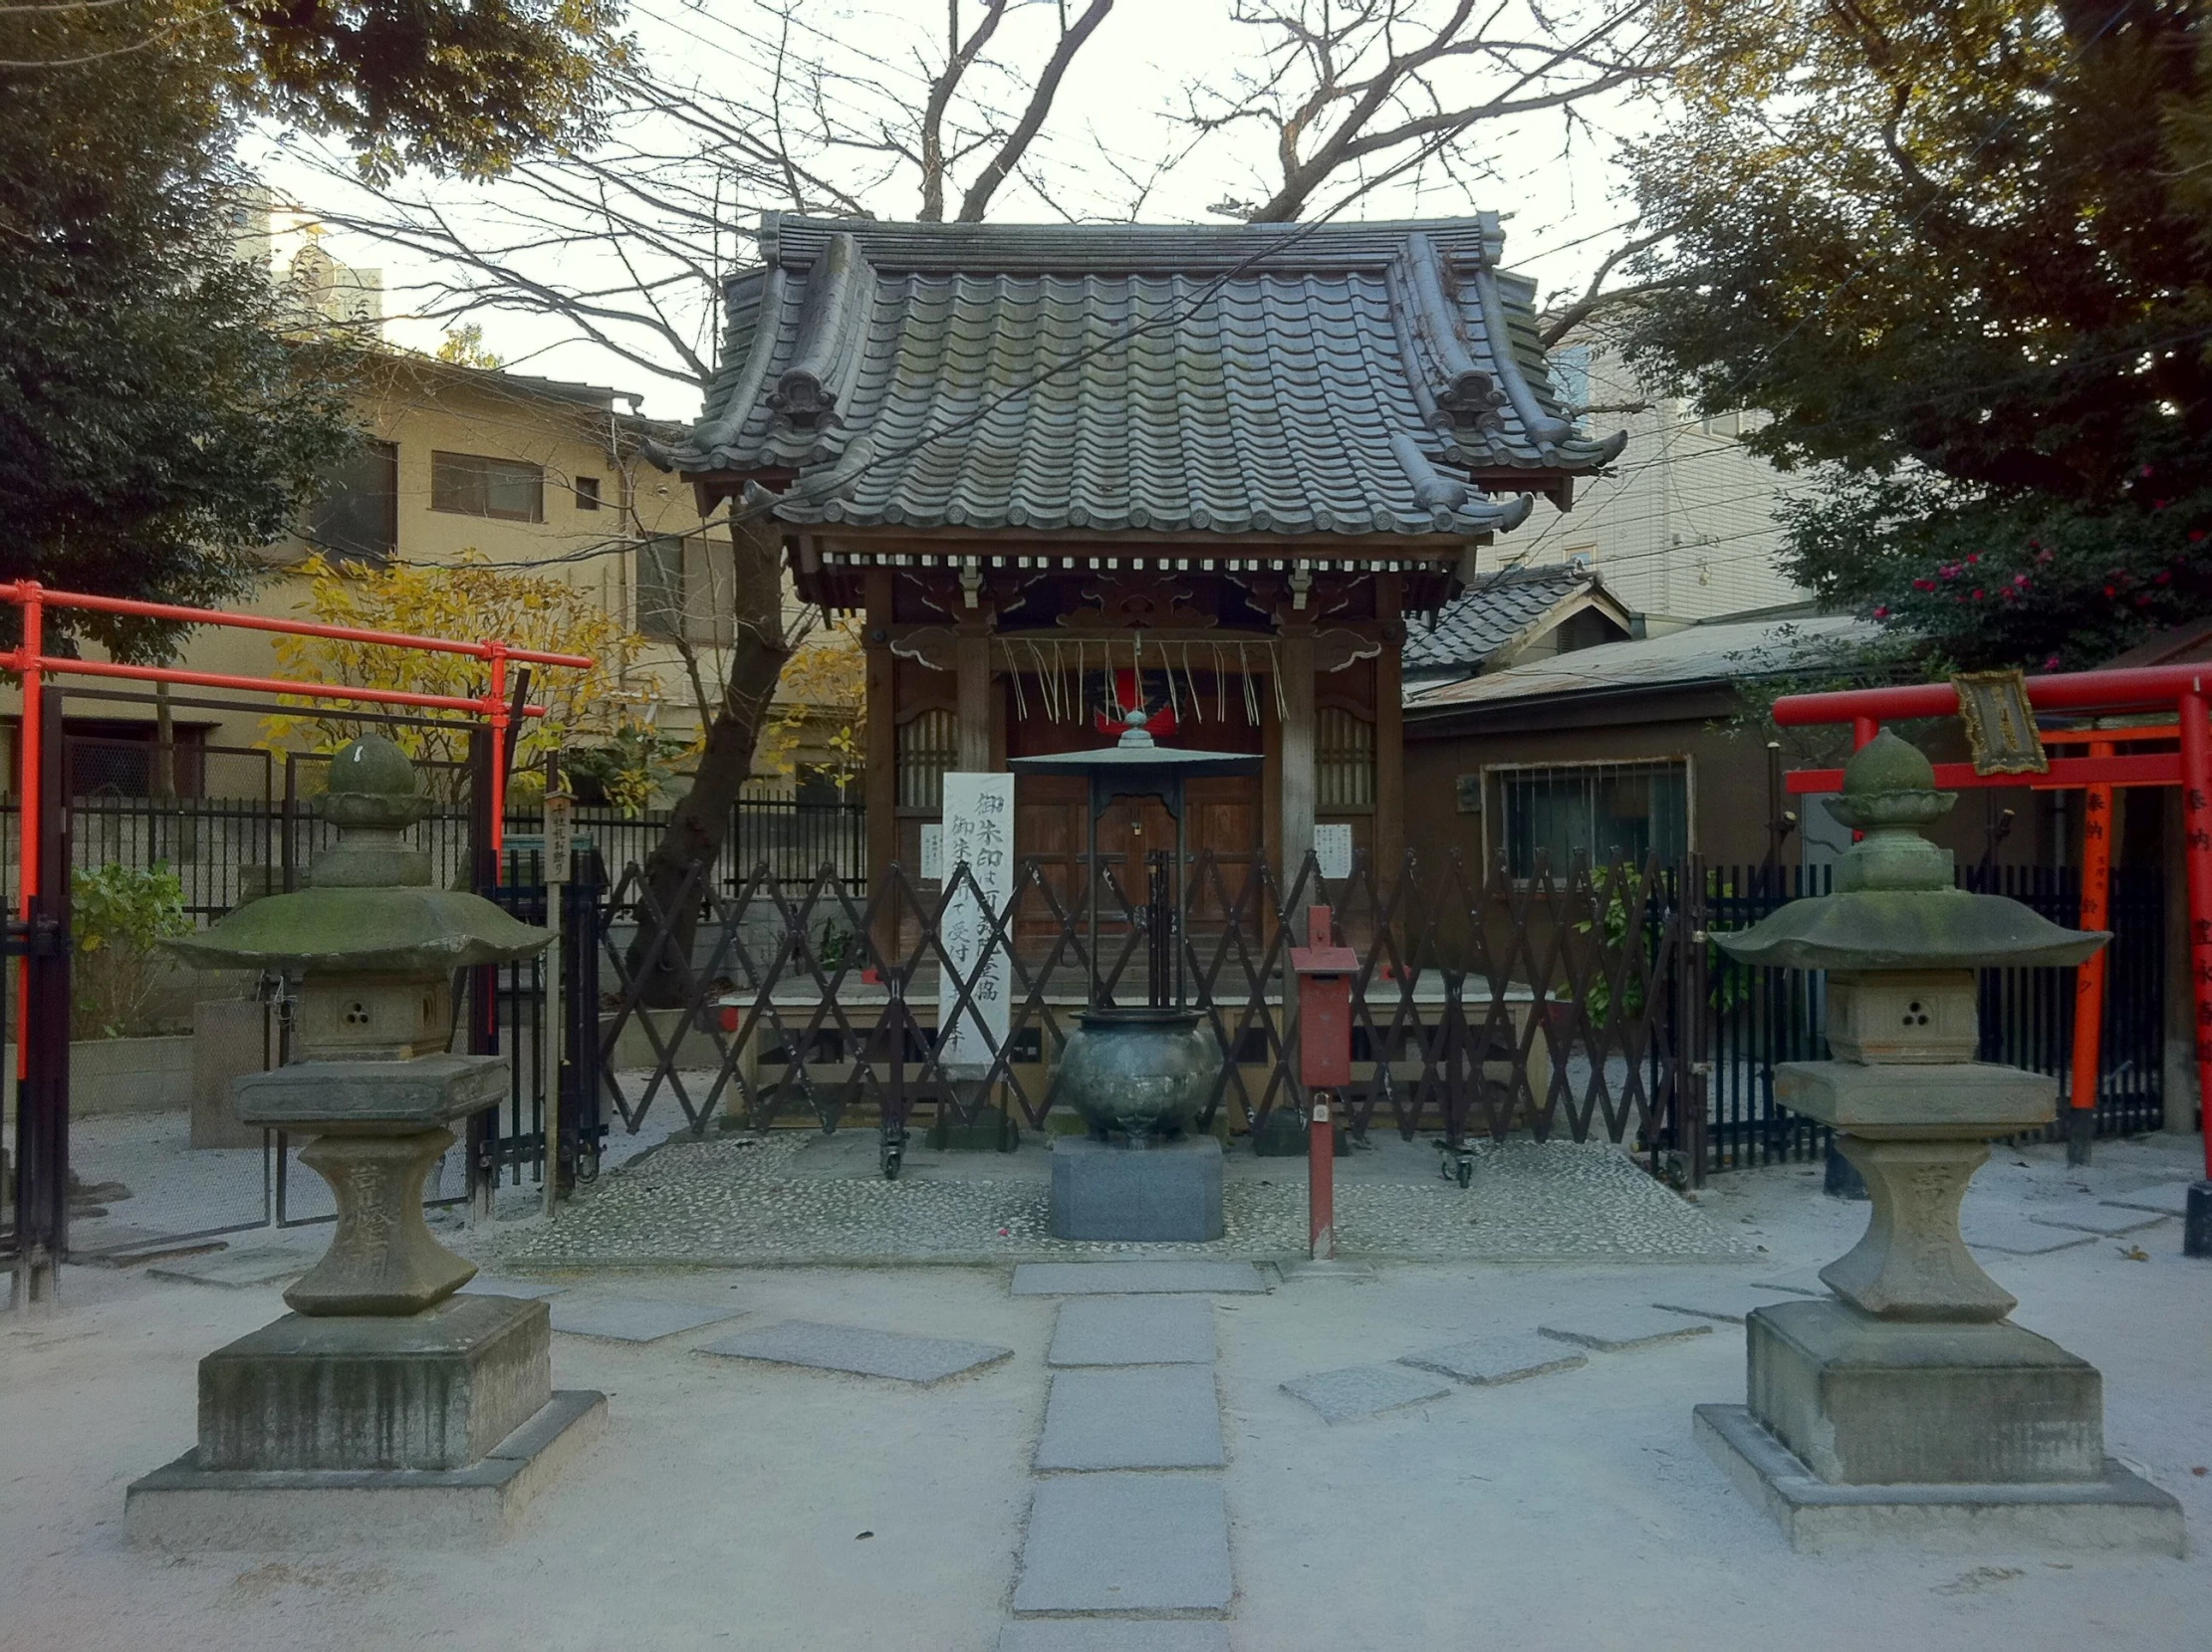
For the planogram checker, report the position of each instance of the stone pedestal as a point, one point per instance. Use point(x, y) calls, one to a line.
point(1864, 1401)
point(1165, 1193)
point(428, 1429)
point(431, 1390)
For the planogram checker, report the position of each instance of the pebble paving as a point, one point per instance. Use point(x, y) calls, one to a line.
point(737, 1201)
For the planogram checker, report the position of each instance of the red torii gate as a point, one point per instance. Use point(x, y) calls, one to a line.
point(42, 1162)
point(2175, 689)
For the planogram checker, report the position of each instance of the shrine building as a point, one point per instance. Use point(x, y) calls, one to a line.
point(1058, 469)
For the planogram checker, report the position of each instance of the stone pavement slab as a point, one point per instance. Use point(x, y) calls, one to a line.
point(1133, 1331)
point(1126, 1543)
point(1106, 1279)
point(1071, 1635)
point(237, 1269)
point(523, 1291)
point(1363, 1390)
point(2017, 1236)
point(1617, 1330)
point(633, 1318)
point(1488, 1360)
point(1726, 1303)
point(2088, 1215)
point(877, 1353)
point(1142, 1417)
point(2171, 1200)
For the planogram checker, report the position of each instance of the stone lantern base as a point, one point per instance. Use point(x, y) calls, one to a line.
point(430, 1429)
point(2118, 1511)
point(1952, 1437)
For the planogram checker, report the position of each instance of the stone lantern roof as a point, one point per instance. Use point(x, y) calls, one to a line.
point(369, 908)
point(1895, 906)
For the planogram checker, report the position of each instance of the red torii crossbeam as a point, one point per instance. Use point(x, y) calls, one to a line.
point(2175, 689)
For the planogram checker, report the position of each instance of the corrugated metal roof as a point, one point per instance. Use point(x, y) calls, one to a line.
point(1245, 379)
point(1696, 654)
point(1485, 618)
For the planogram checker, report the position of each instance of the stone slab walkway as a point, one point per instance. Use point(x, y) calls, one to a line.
point(1104, 1540)
point(858, 1352)
point(1098, 1635)
point(633, 1318)
point(1120, 1331)
point(1488, 1360)
point(1133, 1417)
point(1357, 1391)
point(1126, 1543)
point(237, 1269)
point(1613, 1330)
point(1119, 1279)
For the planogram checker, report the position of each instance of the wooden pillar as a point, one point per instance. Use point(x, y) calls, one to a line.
point(1389, 730)
point(879, 780)
point(972, 665)
point(1297, 784)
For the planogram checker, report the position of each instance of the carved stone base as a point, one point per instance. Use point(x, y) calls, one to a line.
point(383, 1257)
point(1867, 1401)
point(1911, 1263)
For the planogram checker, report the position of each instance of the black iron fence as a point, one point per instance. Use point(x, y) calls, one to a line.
point(1482, 1003)
point(228, 849)
point(1762, 1016)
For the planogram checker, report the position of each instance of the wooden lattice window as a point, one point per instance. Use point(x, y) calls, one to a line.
point(1343, 760)
point(928, 744)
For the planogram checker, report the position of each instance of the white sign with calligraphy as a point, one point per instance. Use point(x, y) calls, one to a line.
point(978, 834)
point(1333, 849)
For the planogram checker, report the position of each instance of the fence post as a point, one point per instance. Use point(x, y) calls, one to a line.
point(1694, 1060)
point(42, 1101)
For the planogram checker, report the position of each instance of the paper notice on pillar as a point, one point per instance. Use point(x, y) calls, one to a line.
point(978, 834)
point(932, 854)
point(1333, 851)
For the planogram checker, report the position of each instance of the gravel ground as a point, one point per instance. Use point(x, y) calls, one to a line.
point(791, 1198)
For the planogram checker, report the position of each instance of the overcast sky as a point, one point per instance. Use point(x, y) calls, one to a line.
point(1114, 121)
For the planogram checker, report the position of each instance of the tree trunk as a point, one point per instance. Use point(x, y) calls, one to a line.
point(701, 819)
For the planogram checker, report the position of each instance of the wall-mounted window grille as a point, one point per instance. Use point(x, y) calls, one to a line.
point(1343, 760)
point(928, 743)
point(1594, 814)
point(474, 484)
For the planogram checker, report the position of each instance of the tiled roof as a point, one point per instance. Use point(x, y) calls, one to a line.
point(1264, 378)
point(1486, 617)
point(1703, 653)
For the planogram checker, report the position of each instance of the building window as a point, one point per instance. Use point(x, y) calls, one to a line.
point(587, 493)
point(355, 514)
point(471, 484)
point(1570, 374)
point(660, 586)
point(1343, 761)
point(1594, 814)
point(687, 589)
point(928, 744)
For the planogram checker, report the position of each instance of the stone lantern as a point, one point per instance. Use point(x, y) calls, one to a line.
point(385, 1403)
point(1907, 1406)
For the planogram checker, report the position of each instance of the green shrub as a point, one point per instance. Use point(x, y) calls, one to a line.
point(119, 917)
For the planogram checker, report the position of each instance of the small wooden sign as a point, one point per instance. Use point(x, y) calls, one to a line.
point(2000, 723)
